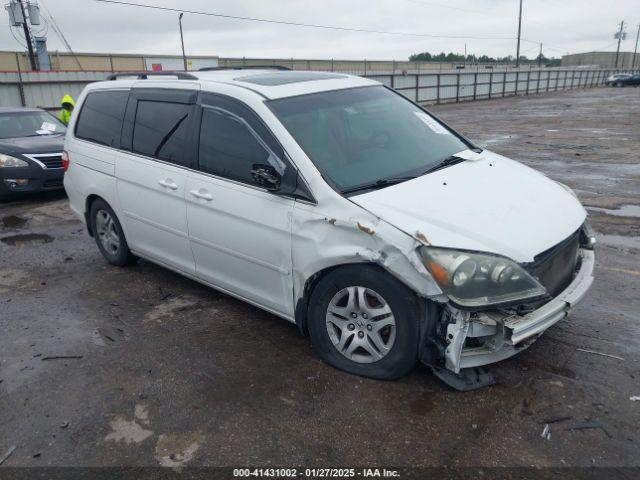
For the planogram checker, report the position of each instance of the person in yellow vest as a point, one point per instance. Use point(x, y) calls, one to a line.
point(67, 104)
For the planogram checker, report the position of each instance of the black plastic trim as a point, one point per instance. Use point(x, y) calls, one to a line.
point(146, 75)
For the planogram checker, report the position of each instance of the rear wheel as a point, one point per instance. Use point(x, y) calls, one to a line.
point(364, 321)
point(109, 235)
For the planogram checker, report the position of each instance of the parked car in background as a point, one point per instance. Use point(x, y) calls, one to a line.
point(617, 79)
point(31, 142)
point(336, 203)
point(630, 81)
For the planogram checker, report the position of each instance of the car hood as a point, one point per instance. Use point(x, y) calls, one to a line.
point(39, 144)
point(488, 203)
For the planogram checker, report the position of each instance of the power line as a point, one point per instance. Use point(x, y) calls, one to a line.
point(60, 35)
point(17, 39)
point(299, 24)
point(460, 9)
point(480, 12)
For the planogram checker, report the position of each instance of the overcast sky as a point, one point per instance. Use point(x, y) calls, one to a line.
point(562, 25)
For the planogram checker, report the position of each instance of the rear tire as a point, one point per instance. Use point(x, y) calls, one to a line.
point(366, 322)
point(109, 235)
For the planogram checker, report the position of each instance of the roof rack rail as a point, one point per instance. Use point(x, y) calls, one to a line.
point(245, 67)
point(145, 75)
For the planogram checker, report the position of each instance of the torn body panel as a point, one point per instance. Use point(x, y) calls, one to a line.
point(479, 338)
point(321, 242)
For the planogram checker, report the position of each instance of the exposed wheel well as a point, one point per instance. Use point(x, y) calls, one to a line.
point(310, 284)
point(87, 209)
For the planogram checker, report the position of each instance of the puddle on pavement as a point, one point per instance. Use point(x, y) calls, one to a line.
point(13, 221)
point(26, 238)
point(175, 450)
point(623, 211)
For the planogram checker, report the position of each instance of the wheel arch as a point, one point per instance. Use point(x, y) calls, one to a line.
point(87, 210)
point(302, 303)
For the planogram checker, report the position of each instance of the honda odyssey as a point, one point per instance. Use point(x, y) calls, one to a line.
point(336, 203)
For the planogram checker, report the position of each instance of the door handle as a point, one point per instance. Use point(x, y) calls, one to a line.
point(202, 193)
point(168, 183)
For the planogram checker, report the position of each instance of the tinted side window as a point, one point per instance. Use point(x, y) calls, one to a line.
point(161, 130)
point(228, 148)
point(101, 117)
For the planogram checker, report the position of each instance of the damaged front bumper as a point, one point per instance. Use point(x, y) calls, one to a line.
point(476, 339)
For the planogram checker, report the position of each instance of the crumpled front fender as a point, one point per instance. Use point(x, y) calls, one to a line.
point(321, 241)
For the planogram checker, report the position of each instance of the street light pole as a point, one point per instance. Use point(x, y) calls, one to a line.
point(540, 56)
point(519, 30)
point(184, 57)
point(619, 40)
point(635, 51)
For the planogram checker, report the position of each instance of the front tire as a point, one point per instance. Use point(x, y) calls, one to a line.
point(109, 235)
point(366, 322)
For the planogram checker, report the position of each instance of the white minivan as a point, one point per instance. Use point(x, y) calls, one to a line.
point(336, 203)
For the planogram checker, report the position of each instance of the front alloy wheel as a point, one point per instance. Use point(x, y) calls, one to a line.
point(360, 324)
point(364, 321)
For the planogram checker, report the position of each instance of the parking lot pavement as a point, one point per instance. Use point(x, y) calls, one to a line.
point(139, 366)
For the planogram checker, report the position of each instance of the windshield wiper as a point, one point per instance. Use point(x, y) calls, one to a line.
point(450, 160)
point(381, 183)
point(385, 182)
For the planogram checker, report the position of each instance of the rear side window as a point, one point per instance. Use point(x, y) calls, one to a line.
point(228, 148)
point(101, 117)
point(161, 130)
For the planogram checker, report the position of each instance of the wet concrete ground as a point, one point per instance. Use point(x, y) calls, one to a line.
point(139, 366)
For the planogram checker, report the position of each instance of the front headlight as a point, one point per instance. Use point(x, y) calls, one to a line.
point(9, 161)
point(473, 279)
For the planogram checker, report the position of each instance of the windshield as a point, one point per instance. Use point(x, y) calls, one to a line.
point(29, 124)
point(361, 136)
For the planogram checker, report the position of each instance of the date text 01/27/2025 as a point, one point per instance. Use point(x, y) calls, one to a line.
point(315, 473)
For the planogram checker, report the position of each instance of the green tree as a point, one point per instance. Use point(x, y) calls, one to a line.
point(459, 58)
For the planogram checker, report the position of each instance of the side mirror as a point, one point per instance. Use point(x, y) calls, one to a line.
point(266, 176)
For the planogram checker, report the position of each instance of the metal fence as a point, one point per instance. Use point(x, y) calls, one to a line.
point(45, 89)
point(372, 67)
point(456, 86)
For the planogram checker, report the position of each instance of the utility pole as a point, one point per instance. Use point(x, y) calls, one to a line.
point(465, 54)
point(619, 40)
point(635, 50)
point(184, 57)
point(27, 37)
point(540, 56)
point(519, 31)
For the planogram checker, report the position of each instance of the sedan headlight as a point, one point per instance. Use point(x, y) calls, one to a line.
point(9, 161)
point(473, 279)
